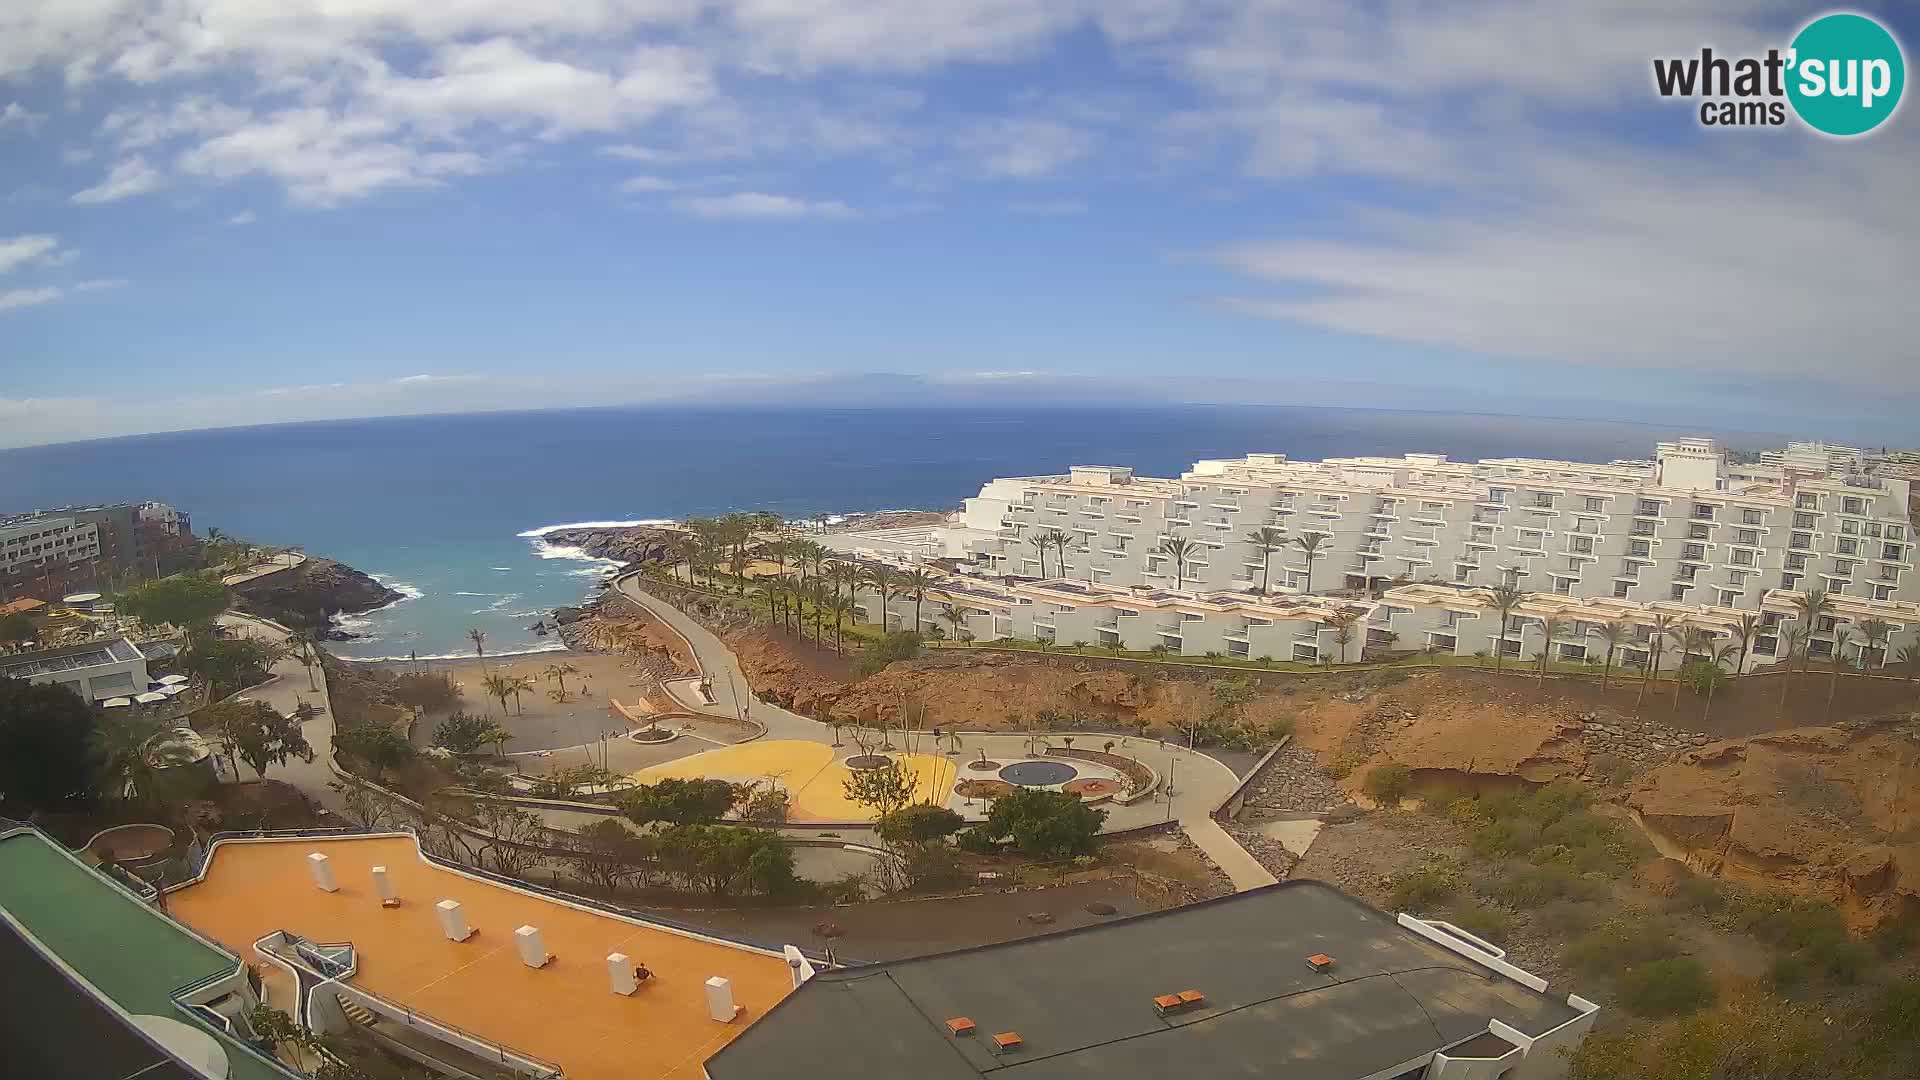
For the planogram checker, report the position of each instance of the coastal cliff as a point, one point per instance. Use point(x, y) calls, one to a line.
point(312, 593)
point(628, 544)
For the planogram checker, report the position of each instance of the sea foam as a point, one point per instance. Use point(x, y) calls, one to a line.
point(545, 529)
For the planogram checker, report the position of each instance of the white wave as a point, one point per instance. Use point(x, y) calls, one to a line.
point(543, 647)
point(545, 529)
point(497, 605)
point(595, 571)
point(476, 594)
point(502, 569)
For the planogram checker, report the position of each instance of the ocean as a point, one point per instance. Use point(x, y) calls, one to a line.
point(449, 510)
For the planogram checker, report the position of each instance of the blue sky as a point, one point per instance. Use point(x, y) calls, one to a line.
point(233, 211)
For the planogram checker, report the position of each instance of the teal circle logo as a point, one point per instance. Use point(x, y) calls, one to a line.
point(1845, 73)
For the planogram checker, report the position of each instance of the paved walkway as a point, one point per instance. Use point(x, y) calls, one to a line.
point(1243, 869)
point(283, 561)
point(289, 688)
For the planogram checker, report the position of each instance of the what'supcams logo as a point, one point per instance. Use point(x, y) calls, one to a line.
point(1842, 75)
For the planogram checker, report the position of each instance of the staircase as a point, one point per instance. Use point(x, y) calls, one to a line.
point(357, 1012)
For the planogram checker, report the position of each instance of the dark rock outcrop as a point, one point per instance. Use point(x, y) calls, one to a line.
point(631, 544)
point(314, 592)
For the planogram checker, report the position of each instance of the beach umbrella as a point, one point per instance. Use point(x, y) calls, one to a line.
point(173, 680)
point(149, 698)
point(116, 703)
point(170, 691)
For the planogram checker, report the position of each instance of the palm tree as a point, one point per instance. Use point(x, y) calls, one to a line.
point(1040, 542)
point(1744, 632)
point(517, 685)
point(1875, 634)
point(1059, 539)
point(1808, 608)
point(498, 686)
point(771, 593)
point(120, 745)
point(1309, 543)
point(1798, 639)
point(479, 639)
point(1909, 658)
point(883, 579)
point(1615, 634)
point(1268, 540)
point(1505, 599)
point(842, 607)
point(1656, 646)
point(558, 673)
point(684, 547)
point(306, 642)
point(914, 585)
point(817, 594)
point(1719, 657)
point(1342, 624)
point(1179, 549)
point(1842, 637)
point(1550, 627)
point(1691, 639)
point(956, 616)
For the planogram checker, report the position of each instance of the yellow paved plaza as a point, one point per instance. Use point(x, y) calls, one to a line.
point(810, 770)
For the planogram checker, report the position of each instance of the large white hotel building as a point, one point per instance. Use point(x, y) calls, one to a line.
point(1410, 546)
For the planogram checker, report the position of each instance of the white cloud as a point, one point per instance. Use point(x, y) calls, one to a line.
point(20, 250)
point(634, 185)
point(21, 298)
point(325, 158)
point(128, 178)
point(97, 284)
point(244, 217)
point(754, 204)
point(1024, 148)
point(17, 115)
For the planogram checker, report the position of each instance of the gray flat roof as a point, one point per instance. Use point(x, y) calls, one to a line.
point(72, 658)
point(1082, 1001)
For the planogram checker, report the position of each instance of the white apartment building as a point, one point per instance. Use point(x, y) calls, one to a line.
point(1684, 533)
point(28, 543)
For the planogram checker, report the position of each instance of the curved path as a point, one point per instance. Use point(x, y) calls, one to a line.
point(1199, 783)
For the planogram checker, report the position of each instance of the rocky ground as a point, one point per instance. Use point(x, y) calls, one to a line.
point(312, 593)
point(631, 544)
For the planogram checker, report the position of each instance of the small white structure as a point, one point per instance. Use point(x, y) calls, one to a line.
point(798, 965)
point(322, 872)
point(533, 952)
point(453, 921)
point(620, 973)
point(383, 887)
point(720, 1004)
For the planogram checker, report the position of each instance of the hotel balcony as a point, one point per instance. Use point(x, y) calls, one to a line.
point(1180, 521)
point(1232, 506)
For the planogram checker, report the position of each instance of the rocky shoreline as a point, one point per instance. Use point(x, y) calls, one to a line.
point(628, 544)
point(311, 594)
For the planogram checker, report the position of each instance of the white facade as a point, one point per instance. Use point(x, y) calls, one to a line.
point(96, 671)
point(30, 542)
point(1683, 534)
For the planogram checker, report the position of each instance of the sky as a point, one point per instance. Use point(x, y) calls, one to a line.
point(218, 212)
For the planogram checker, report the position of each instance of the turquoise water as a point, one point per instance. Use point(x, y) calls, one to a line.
point(447, 509)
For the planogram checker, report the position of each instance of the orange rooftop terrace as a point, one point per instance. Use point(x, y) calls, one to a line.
point(564, 1011)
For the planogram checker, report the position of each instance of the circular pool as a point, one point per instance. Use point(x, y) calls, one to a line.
point(1038, 773)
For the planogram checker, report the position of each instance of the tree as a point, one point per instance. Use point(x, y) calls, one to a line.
point(609, 855)
point(1041, 541)
point(306, 645)
point(183, 599)
point(376, 745)
point(48, 753)
point(1693, 641)
point(1309, 544)
point(1809, 608)
point(1796, 639)
point(1267, 540)
point(465, 733)
point(1389, 784)
point(914, 585)
point(1043, 824)
point(426, 690)
point(16, 627)
point(842, 607)
point(1744, 632)
point(1909, 660)
point(728, 860)
point(897, 645)
point(1719, 656)
point(229, 664)
point(1874, 634)
point(1615, 633)
point(499, 687)
point(257, 734)
point(883, 580)
point(1059, 539)
point(479, 639)
point(1550, 627)
point(1505, 598)
point(679, 802)
point(1343, 623)
point(882, 790)
point(1661, 628)
point(956, 616)
point(120, 741)
point(1179, 549)
point(920, 825)
point(558, 673)
point(1842, 637)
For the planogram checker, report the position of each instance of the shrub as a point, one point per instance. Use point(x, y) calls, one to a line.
point(1506, 839)
point(1422, 889)
point(1566, 919)
point(1697, 896)
point(1701, 676)
point(1611, 769)
point(426, 690)
point(1467, 811)
point(1525, 886)
point(1482, 920)
point(679, 802)
point(1043, 824)
point(1671, 987)
point(1388, 784)
point(896, 645)
point(920, 825)
point(1621, 943)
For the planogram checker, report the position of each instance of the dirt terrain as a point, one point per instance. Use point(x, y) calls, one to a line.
point(1831, 813)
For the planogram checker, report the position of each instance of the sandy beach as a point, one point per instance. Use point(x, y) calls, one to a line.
point(539, 722)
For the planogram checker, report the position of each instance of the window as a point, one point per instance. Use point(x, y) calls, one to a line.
point(1497, 495)
point(1630, 570)
point(1891, 551)
point(1698, 532)
point(1806, 502)
point(1586, 525)
point(1889, 573)
point(1595, 504)
point(1703, 512)
point(1848, 547)
point(1750, 516)
point(1680, 591)
point(1843, 567)
point(1803, 521)
point(1640, 547)
point(1583, 544)
point(1746, 536)
point(1460, 573)
point(1729, 598)
point(1738, 577)
point(1541, 498)
point(1800, 540)
point(1694, 551)
point(1771, 619)
point(1643, 528)
point(1649, 508)
point(1883, 592)
point(1789, 581)
point(1828, 623)
point(1620, 589)
point(1852, 505)
point(1849, 528)
point(1896, 532)
point(1741, 557)
point(1564, 586)
point(1573, 564)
